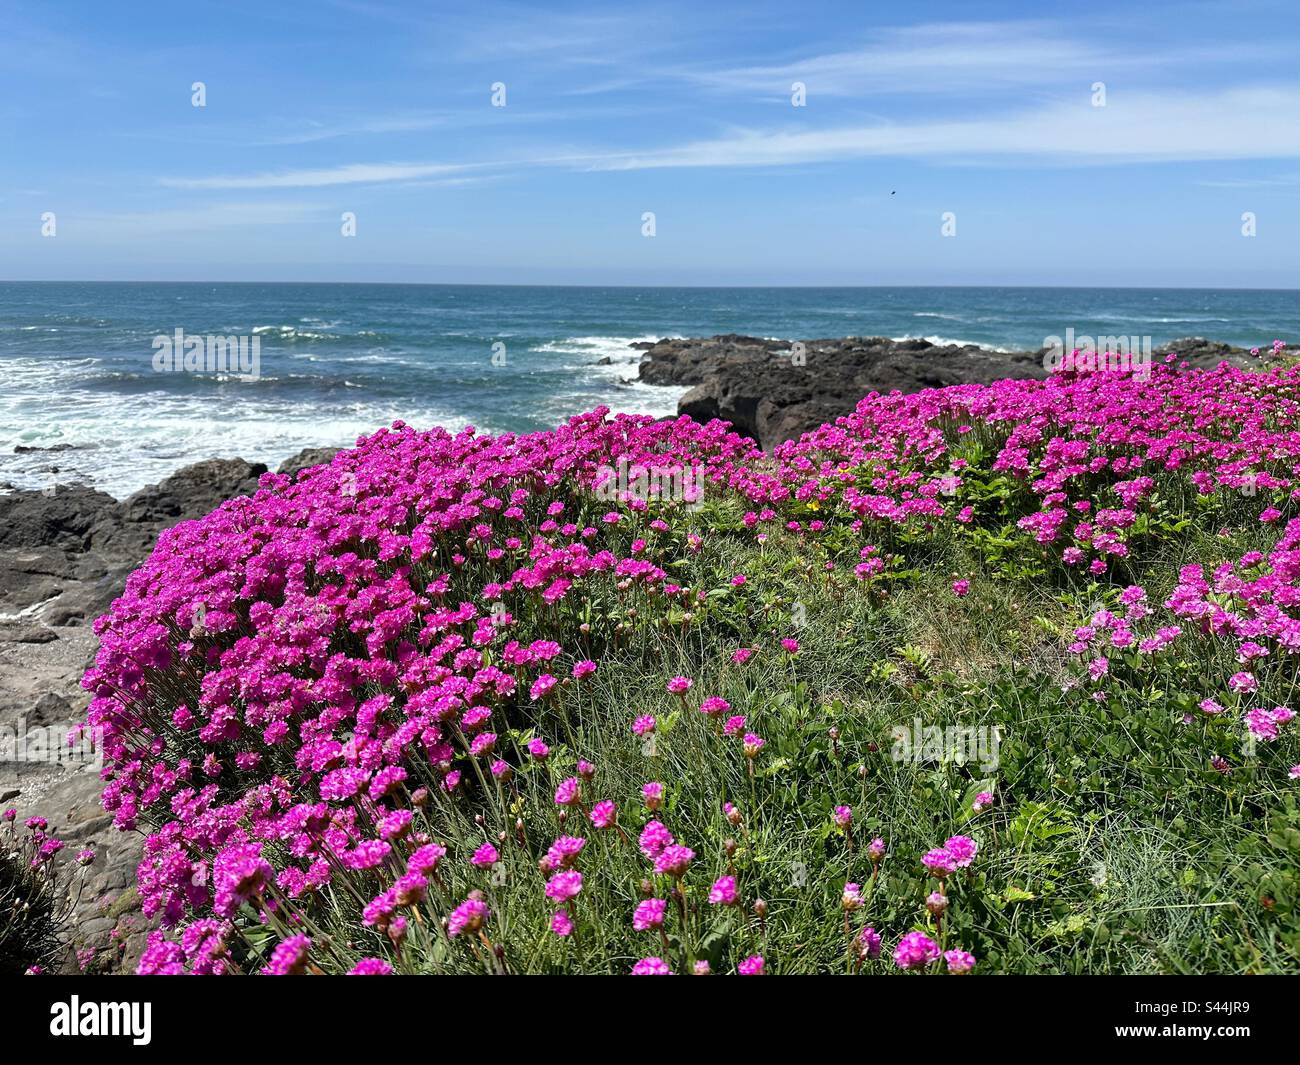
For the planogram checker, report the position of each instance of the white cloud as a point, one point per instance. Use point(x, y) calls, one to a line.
point(1255, 123)
point(348, 174)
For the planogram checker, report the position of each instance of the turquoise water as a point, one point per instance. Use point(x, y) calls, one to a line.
point(339, 360)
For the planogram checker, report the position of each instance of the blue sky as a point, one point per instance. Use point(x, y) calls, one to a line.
point(384, 109)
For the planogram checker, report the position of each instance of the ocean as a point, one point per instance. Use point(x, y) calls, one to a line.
point(339, 360)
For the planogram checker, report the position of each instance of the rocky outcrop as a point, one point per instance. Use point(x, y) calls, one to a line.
point(772, 391)
point(306, 459)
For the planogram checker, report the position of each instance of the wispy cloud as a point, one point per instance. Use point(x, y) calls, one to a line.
point(314, 131)
point(348, 174)
point(1255, 123)
point(978, 57)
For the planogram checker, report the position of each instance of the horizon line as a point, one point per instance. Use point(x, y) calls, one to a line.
point(538, 284)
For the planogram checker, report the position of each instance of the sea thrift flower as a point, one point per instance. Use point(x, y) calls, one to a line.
point(939, 862)
point(485, 855)
point(564, 886)
point(851, 897)
point(649, 914)
point(538, 749)
point(869, 943)
point(679, 685)
point(842, 816)
point(568, 792)
point(714, 706)
point(701, 968)
point(751, 966)
point(468, 916)
point(603, 814)
point(723, 892)
point(643, 725)
point(741, 656)
point(876, 850)
point(734, 726)
point(753, 744)
point(915, 951)
point(371, 967)
point(960, 588)
point(963, 850)
point(651, 967)
point(959, 961)
point(982, 801)
point(791, 647)
point(654, 795)
point(563, 853)
point(654, 838)
point(673, 860)
point(289, 958)
point(561, 923)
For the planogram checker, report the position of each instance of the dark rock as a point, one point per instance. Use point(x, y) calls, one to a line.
point(61, 518)
point(772, 392)
point(306, 459)
point(50, 709)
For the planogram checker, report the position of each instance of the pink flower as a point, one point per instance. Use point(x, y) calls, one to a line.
point(792, 647)
point(603, 814)
point(568, 792)
point(940, 862)
point(842, 816)
point(960, 588)
point(561, 923)
point(915, 951)
point(467, 917)
point(741, 656)
point(1243, 682)
point(564, 886)
point(751, 966)
point(643, 725)
point(723, 892)
point(654, 795)
point(959, 961)
point(371, 967)
point(679, 685)
point(735, 725)
point(714, 706)
point(649, 914)
point(538, 749)
point(485, 855)
point(673, 860)
point(651, 967)
point(963, 850)
point(869, 942)
point(563, 853)
point(753, 744)
point(654, 838)
point(982, 800)
point(541, 686)
point(583, 669)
